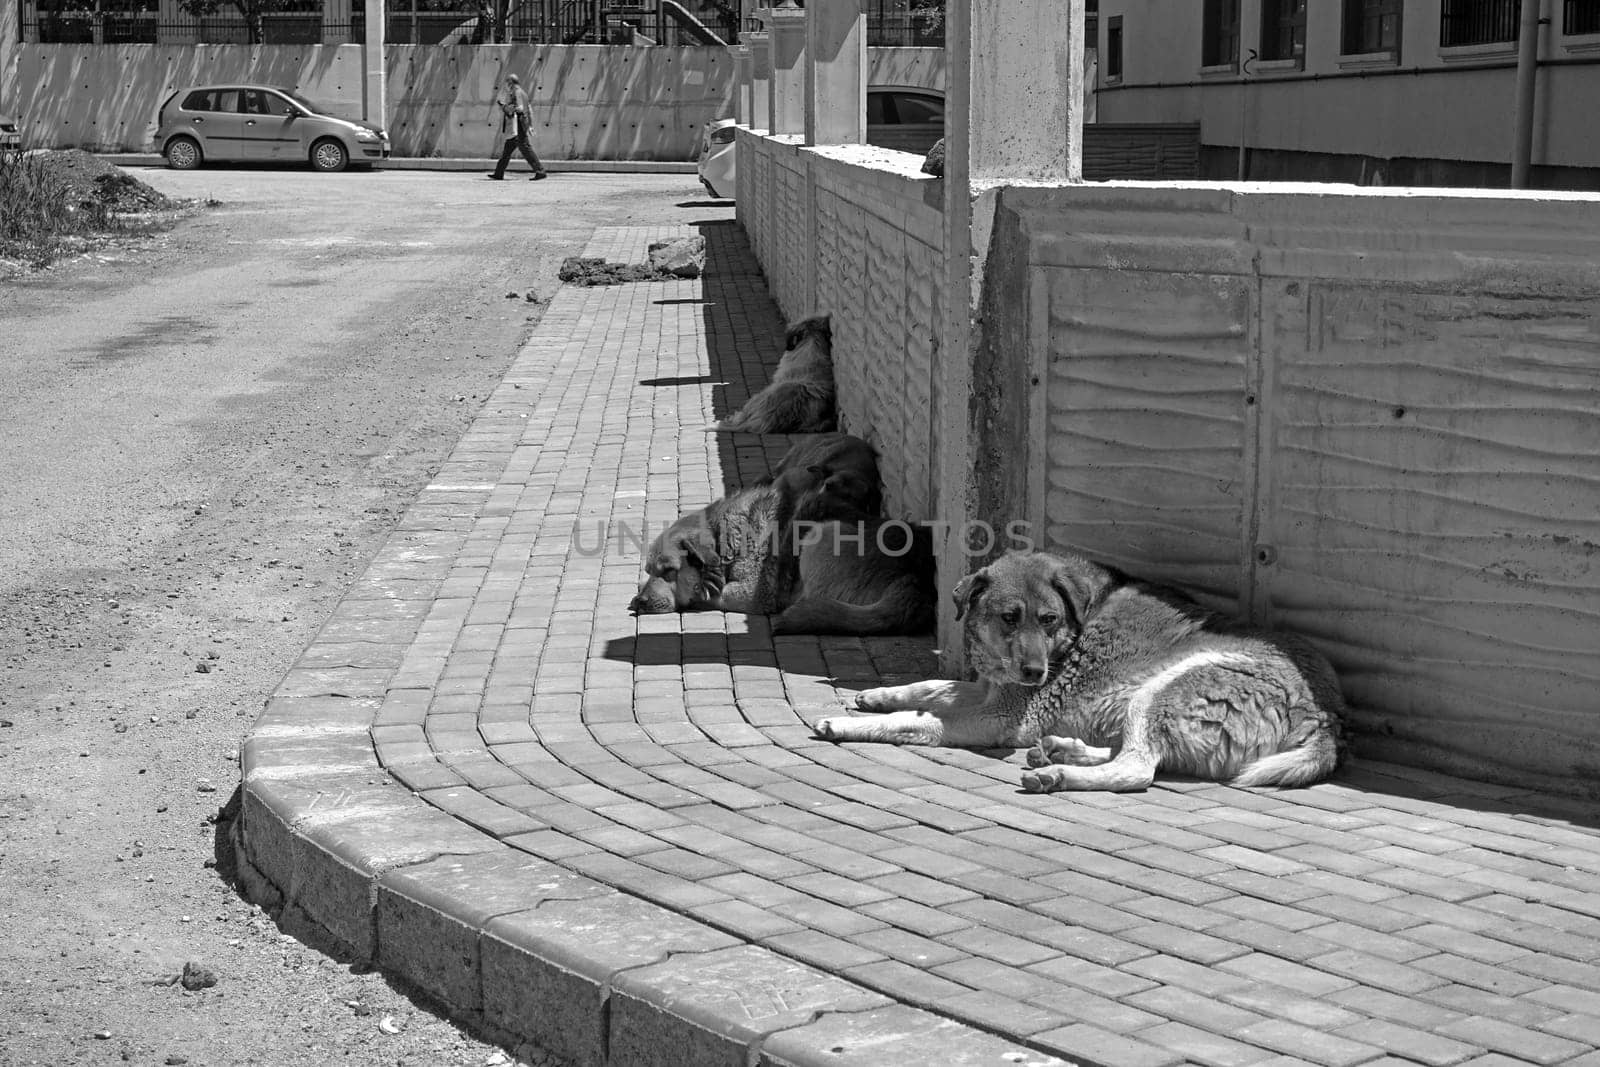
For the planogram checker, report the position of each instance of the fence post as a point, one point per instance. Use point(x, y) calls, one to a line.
point(836, 73)
point(760, 80)
point(1013, 112)
point(786, 24)
point(373, 85)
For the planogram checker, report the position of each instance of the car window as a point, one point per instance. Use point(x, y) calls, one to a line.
point(199, 100)
point(261, 102)
point(878, 109)
point(226, 100)
point(917, 108)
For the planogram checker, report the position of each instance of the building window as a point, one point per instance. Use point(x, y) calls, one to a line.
point(1114, 48)
point(1219, 45)
point(1581, 16)
point(1371, 26)
point(1283, 29)
point(1466, 22)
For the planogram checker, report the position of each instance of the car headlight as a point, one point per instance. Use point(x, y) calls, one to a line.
point(369, 135)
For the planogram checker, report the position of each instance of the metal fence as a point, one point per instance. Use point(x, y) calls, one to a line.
point(665, 22)
point(1464, 22)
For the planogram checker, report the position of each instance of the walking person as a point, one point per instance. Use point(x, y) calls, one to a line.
point(514, 119)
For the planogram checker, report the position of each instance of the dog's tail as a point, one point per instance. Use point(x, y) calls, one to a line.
point(902, 609)
point(1311, 761)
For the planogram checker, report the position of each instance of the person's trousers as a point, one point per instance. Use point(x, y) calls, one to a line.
point(518, 142)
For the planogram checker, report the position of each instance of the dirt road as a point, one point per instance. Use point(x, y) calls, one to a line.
point(202, 438)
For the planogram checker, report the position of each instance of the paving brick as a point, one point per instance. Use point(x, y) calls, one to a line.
point(1081, 1004)
point(714, 1007)
point(1479, 975)
point(1370, 970)
point(1260, 967)
point(1313, 1045)
point(1203, 1047)
point(1105, 1047)
point(1278, 1002)
point(1512, 1040)
point(894, 1037)
point(1167, 970)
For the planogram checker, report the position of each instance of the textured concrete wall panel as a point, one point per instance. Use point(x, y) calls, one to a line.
point(1146, 432)
point(1434, 465)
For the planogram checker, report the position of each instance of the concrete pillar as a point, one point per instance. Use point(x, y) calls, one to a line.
point(335, 21)
point(836, 72)
point(1013, 112)
point(741, 83)
point(786, 26)
point(760, 79)
point(374, 83)
point(1025, 85)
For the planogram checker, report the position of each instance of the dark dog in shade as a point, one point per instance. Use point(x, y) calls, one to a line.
point(800, 398)
point(806, 547)
point(1111, 679)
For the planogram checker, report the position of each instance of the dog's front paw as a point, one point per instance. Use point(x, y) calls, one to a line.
point(829, 729)
point(1041, 779)
point(875, 700)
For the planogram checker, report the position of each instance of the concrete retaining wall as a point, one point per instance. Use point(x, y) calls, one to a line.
point(589, 101)
point(856, 231)
point(1370, 416)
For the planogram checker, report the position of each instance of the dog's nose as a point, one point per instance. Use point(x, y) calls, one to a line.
point(637, 604)
point(1030, 674)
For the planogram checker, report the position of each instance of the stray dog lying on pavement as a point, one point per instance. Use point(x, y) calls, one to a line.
point(1111, 679)
point(800, 398)
point(807, 547)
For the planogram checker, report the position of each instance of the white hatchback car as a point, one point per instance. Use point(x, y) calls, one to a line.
point(261, 123)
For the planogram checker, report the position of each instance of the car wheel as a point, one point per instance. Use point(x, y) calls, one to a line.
point(183, 153)
point(329, 155)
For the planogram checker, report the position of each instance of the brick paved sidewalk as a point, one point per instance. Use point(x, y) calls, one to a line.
point(618, 838)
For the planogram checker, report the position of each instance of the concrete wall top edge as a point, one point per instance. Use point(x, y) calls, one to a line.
point(1312, 204)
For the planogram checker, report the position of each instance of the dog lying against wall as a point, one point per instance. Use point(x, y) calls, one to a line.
point(800, 398)
point(808, 547)
point(1109, 680)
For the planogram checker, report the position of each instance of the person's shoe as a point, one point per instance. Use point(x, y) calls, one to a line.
point(497, 177)
point(539, 177)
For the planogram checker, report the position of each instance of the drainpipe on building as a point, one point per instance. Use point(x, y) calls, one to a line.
point(1527, 70)
point(1244, 98)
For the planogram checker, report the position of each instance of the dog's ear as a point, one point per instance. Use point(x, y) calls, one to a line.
point(1081, 586)
point(969, 589)
point(698, 547)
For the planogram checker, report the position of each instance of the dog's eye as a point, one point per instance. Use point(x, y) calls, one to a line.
point(669, 574)
point(1012, 617)
point(1049, 621)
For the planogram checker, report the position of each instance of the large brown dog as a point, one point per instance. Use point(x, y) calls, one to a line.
point(806, 546)
point(1131, 676)
point(800, 398)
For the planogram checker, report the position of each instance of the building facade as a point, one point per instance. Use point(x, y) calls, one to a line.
point(1378, 92)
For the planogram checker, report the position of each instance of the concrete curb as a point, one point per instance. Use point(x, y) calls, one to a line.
point(554, 166)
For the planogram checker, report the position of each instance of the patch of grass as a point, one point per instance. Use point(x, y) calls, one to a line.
point(41, 211)
point(57, 202)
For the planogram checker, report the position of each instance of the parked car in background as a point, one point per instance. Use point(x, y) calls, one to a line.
point(10, 136)
point(716, 158)
point(909, 120)
point(261, 123)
